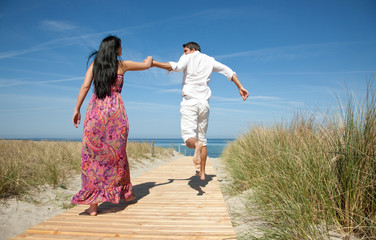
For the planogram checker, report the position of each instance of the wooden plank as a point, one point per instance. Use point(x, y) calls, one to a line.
point(35, 236)
point(172, 203)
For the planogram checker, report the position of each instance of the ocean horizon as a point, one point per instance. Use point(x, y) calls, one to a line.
point(214, 148)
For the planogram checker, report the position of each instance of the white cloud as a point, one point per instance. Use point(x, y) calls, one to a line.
point(33, 103)
point(225, 111)
point(238, 99)
point(287, 53)
point(315, 73)
point(149, 106)
point(16, 82)
point(175, 90)
point(57, 26)
point(10, 82)
point(57, 43)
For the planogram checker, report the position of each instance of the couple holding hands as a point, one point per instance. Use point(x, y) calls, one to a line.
point(104, 165)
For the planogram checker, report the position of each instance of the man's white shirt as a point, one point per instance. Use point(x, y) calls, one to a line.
point(198, 68)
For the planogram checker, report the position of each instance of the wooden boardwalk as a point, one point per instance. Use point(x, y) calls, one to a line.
point(172, 203)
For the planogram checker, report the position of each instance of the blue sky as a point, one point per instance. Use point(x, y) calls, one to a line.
point(290, 55)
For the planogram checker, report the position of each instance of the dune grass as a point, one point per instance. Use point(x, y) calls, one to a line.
point(311, 177)
point(27, 164)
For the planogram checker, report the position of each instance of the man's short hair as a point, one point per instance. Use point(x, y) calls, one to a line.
point(192, 45)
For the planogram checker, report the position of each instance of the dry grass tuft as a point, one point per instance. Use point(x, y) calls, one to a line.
point(26, 164)
point(311, 177)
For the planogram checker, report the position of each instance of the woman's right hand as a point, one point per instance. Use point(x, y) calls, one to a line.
point(149, 61)
point(149, 58)
point(76, 119)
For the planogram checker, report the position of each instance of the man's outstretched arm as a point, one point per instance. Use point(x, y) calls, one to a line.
point(166, 66)
point(230, 75)
point(243, 92)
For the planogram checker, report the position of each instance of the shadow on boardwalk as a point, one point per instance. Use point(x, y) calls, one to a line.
point(143, 189)
point(196, 183)
point(140, 190)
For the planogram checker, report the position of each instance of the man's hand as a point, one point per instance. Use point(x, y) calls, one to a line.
point(244, 93)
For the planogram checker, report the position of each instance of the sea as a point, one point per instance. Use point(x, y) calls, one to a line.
point(215, 146)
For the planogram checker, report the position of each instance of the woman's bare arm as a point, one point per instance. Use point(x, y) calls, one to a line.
point(76, 119)
point(137, 66)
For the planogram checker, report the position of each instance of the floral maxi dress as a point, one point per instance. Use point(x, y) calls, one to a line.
point(105, 172)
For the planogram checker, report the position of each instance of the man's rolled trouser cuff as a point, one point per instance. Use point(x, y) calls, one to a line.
point(194, 119)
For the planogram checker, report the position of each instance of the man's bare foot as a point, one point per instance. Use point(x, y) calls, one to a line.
point(197, 155)
point(197, 166)
point(202, 176)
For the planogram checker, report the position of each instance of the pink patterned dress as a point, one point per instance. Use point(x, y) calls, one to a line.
point(104, 166)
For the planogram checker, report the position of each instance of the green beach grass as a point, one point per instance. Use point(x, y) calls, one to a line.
point(313, 175)
point(25, 164)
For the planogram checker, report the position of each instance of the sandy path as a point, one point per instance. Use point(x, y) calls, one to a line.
point(244, 225)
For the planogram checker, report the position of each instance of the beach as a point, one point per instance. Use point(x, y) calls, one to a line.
point(16, 215)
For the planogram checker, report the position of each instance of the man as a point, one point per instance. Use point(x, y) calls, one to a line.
point(194, 107)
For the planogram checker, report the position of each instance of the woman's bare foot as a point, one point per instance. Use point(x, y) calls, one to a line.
point(92, 210)
point(196, 156)
point(131, 198)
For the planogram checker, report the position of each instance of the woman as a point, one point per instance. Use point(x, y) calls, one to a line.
point(104, 166)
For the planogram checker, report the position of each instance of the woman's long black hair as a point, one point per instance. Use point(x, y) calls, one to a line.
point(105, 66)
